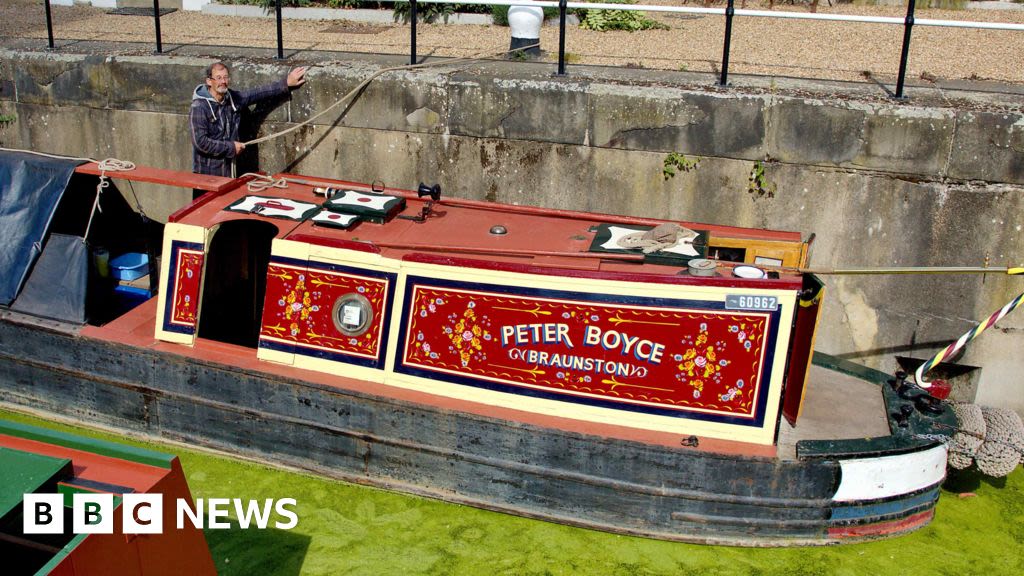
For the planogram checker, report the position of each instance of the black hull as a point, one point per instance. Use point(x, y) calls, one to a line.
point(607, 484)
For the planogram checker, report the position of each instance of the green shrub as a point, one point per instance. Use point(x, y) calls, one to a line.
point(432, 12)
point(630, 20)
point(424, 12)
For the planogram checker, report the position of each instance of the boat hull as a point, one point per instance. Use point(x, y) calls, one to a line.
point(611, 484)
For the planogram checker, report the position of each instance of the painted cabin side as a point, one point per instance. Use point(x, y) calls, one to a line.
point(532, 319)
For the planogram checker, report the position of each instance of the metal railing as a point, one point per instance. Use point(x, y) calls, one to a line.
point(729, 12)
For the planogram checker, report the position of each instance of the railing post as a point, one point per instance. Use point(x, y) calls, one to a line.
point(280, 34)
point(562, 9)
point(49, 24)
point(729, 11)
point(908, 24)
point(412, 41)
point(156, 23)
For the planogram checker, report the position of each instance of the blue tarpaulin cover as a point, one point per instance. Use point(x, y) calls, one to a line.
point(30, 189)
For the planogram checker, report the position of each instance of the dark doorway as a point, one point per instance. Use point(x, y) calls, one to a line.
point(235, 282)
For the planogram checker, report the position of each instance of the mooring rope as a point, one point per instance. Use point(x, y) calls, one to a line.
point(105, 165)
point(365, 83)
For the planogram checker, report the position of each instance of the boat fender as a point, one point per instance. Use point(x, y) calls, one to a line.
point(990, 438)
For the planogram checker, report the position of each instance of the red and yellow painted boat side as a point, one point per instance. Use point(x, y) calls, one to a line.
point(526, 320)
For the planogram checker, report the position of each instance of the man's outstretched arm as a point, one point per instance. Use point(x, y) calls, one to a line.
point(295, 78)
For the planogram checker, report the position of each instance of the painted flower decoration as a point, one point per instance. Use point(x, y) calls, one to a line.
point(296, 305)
point(466, 335)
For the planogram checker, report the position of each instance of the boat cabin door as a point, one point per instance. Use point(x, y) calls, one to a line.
point(235, 281)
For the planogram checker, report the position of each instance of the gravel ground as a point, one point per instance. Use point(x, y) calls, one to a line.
point(764, 46)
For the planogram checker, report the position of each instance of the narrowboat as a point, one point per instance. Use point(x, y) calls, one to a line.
point(624, 374)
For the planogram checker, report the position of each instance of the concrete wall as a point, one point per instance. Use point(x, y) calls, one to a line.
point(938, 180)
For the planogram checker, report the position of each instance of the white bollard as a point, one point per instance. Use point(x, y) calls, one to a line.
point(525, 23)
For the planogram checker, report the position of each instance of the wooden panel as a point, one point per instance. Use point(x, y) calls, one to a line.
point(805, 329)
point(792, 254)
point(161, 176)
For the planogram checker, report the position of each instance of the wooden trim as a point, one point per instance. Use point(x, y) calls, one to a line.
point(793, 253)
point(161, 176)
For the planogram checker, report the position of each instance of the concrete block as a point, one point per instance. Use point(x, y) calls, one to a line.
point(140, 84)
point(159, 140)
point(535, 174)
point(814, 132)
point(988, 146)
point(539, 109)
point(397, 159)
point(672, 120)
point(909, 141)
point(394, 101)
point(59, 79)
point(10, 135)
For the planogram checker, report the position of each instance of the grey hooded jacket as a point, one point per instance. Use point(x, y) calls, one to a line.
point(214, 125)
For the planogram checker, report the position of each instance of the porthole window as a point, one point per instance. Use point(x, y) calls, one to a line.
point(352, 314)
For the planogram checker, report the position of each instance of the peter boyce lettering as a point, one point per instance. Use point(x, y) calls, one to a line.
point(520, 334)
point(558, 334)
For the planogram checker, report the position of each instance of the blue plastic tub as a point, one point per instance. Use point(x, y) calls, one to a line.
point(128, 297)
point(129, 266)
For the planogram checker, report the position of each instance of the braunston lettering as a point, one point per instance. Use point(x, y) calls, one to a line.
point(574, 362)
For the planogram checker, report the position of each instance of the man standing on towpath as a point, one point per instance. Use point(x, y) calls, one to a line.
point(214, 116)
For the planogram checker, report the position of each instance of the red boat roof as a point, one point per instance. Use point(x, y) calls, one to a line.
point(457, 231)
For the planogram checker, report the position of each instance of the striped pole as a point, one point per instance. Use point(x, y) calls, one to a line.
point(955, 346)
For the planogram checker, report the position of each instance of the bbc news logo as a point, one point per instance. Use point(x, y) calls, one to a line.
point(144, 513)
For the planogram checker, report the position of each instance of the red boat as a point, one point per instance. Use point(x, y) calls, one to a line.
point(625, 374)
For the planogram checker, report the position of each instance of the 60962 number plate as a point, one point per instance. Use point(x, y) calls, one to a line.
point(751, 302)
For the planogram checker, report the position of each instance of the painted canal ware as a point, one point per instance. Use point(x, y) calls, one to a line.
point(508, 357)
